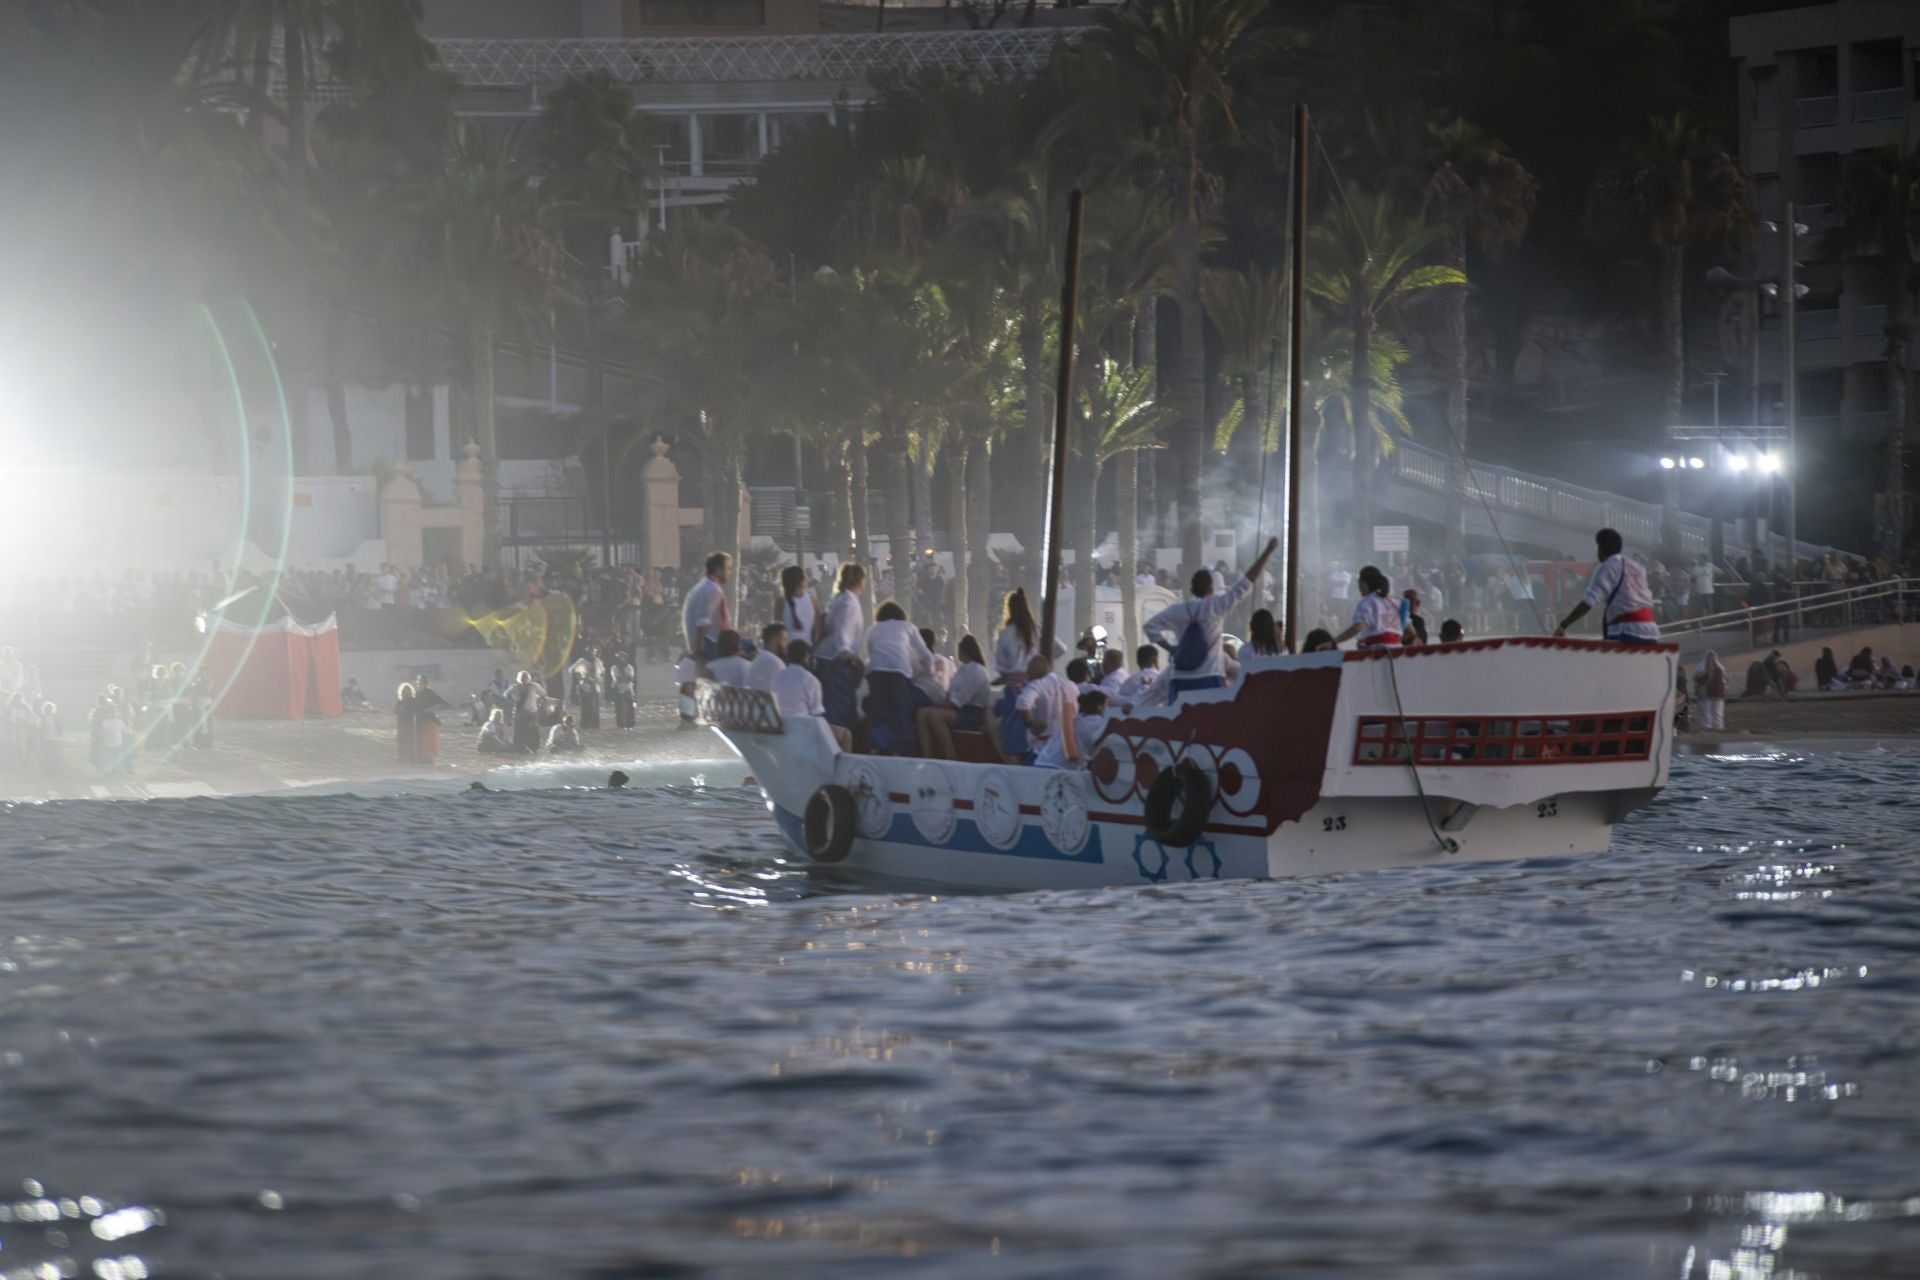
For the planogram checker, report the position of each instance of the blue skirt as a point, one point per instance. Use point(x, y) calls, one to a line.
point(890, 707)
point(839, 692)
point(1013, 729)
point(970, 720)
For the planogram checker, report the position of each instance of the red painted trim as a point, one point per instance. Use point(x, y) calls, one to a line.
point(963, 804)
point(1561, 744)
point(1518, 642)
point(899, 797)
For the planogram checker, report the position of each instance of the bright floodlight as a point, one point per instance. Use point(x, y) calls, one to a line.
point(1736, 462)
point(1698, 464)
point(1668, 464)
point(1769, 464)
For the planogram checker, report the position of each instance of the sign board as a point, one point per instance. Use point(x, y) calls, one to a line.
point(1391, 537)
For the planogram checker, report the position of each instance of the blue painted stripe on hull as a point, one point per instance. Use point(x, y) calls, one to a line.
point(966, 838)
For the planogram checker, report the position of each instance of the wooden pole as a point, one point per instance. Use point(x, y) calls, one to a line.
point(1296, 372)
point(1062, 407)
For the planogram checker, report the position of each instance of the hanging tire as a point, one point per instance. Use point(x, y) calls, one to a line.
point(1177, 805)
point(827, 827)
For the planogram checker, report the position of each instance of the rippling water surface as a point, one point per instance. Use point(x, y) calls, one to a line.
point(587, 1034)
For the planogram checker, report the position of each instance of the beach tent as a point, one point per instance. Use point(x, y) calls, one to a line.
point(280, 670)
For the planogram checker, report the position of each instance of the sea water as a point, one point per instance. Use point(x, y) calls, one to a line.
point(577, 1033)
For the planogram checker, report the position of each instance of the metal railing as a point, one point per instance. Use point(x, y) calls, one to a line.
point(1879, 104)
point(1817, 604)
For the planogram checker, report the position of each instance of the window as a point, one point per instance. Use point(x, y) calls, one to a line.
point(703, 13)
point(420, 442)
point(1477, 741)
point(1766, 81)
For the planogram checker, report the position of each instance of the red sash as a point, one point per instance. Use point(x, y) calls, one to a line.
point(1638, 615)
point(1386, 638)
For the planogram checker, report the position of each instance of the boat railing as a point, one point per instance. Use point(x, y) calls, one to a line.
point(1866, 605)
point(740, 710)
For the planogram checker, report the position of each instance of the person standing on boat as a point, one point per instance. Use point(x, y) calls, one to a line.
point(1190, 630)
point(1013, 652)
point(837, 656)
point(1376, 619)
point(1046, 704)
point(798, 612)
point(704, 615)
point(1620, 585)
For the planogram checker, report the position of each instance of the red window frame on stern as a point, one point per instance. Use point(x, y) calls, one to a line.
point(1505, 740)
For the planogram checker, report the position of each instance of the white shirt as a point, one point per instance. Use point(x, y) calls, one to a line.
point(1085, 730)
point(731, 670)
point(896, 646)
point(13, 674)
point(971, 686)
point(932, 677)
point(1052, 698)
point(1011, 654)
point(797, 616)
point(1377, 616)
point(845, 627)
point(1339, 580)
point(765, 667)
point(113, 733)
point(1113, 682)
point(1137, 686)
point(1703, 579)
point(700, 615)
point(386, 584)
point(1622, 585)
point(1167, 626)
point(797, 693)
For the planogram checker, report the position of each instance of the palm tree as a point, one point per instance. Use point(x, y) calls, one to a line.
point(1679, 188)
point(479, 231)
point(707, 299)
point(1366, 260)
point(1117, 416)
point(1181, 56)
point(981, 405)
point(1484, 197)
point(1883, 218)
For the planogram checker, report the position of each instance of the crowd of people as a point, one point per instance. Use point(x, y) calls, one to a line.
point(168, 706)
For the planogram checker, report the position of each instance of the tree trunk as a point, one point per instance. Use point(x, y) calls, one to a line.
point(1673, 348)
point(1083, 571)
point(920, 471)
point(860, 535)
point(1126, 506)
point(833, 531)
point(980, 466)
point(1189, 368)
point(899, 530)
point(1363, 441)
point(957, 456)
point(725, 460)
point(296, 355)
point(485, 433)
point(1146, 354)
point(337, 402)
point(1454, 354)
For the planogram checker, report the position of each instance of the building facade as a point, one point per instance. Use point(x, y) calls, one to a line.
point(1819, 86)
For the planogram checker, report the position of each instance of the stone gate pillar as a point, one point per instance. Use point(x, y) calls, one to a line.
point(660, 508)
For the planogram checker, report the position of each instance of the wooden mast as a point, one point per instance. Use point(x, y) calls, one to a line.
point(1296, 362)
point(1062, 407)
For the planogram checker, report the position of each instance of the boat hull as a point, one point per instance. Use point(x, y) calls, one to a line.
point(1314, 766)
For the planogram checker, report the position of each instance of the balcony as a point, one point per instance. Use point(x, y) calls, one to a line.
point(1816, 113)
point(1818, 326)
point(1870, 321)
point(1879, 104)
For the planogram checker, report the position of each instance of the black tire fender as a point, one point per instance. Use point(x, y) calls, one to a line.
point(828, 825)
point(1186, 786)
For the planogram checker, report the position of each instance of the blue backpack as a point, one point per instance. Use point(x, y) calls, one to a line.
point(1191, 653)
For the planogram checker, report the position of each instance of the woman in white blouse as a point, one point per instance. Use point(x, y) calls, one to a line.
point(837, 655)
point(798, 613)
point(969, 695)
point(1017, 646)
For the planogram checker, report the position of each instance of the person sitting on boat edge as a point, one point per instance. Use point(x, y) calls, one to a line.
point(726, 665)
point(894, 652)
point(1088, 724)
point(1080, 675)
point(1013, 653)
point(1376, 619)
point(969, 694)
point(796, 692)
point(771, 660)
point(1190, 630)
point(1138, 689)
point(1046, 704)
point(1263, 635)
point(703, 615)
point(1451, 632)
point(1627, 615)
point(1319, 640)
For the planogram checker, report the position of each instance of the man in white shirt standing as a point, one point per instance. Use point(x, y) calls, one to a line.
point(1047, 702)
point(704, 614)
point(1191, 629)
point(1619, 587)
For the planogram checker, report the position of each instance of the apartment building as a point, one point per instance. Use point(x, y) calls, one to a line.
point(1818, 85)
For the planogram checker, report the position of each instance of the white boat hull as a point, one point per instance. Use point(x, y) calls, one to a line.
point(1304, 780)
